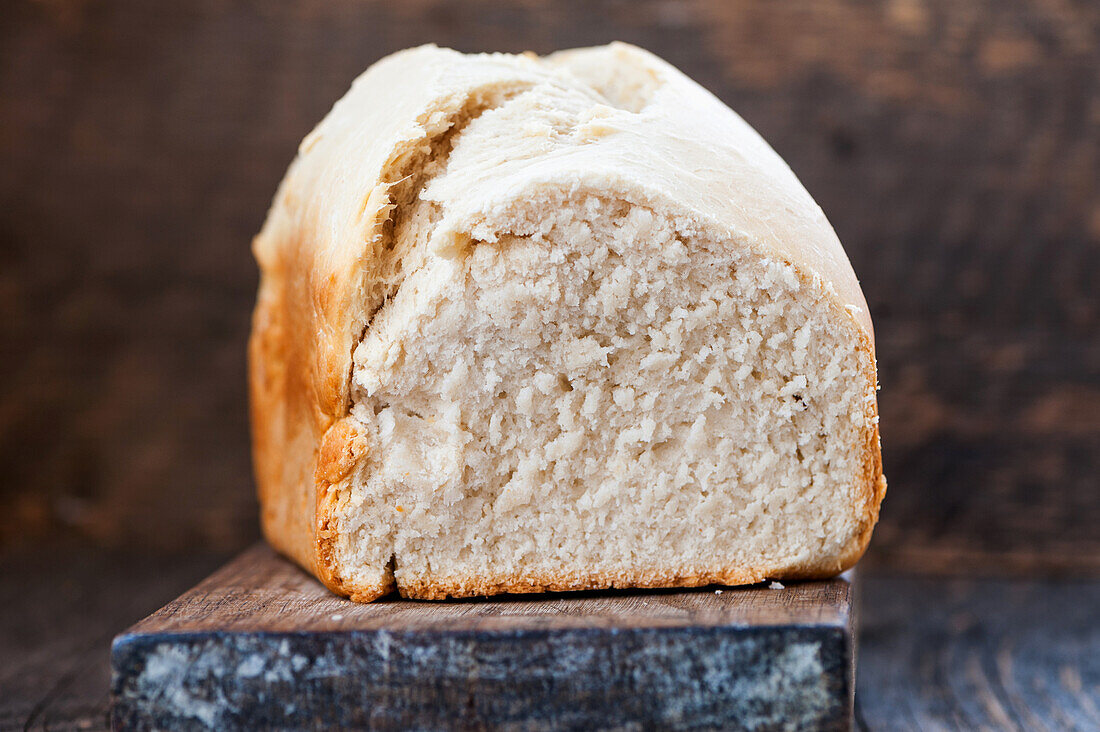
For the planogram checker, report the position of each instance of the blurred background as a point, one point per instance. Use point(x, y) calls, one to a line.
point(955, 146)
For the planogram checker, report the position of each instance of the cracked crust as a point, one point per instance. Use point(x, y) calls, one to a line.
point(319, 254)
point(324, 261)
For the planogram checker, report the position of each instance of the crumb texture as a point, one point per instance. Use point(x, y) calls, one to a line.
point(604, 394)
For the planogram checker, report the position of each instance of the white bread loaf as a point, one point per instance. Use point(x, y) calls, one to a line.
point(551, 324)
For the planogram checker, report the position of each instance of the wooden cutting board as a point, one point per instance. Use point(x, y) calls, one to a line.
point(262, 644)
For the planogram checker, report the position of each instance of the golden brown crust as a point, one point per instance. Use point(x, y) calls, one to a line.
point(873, 485)
point(279, 397)
point(343, 449)
point(440, 588)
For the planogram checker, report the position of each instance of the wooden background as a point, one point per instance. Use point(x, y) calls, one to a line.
point(954, 145)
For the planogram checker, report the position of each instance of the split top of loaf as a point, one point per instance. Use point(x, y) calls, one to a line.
point(555, 323)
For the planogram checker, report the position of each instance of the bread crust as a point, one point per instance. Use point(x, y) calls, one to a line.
point(318, 255)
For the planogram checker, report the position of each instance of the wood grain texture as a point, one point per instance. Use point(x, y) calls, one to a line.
point(933, 654)
point(261, 592)
point(260, 643)
point(59, 608)
point(954, 145)
point(978, 654)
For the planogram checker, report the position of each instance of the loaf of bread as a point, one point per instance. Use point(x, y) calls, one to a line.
point(555, 323)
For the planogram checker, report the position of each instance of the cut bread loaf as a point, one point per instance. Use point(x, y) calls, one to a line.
point(552, 324)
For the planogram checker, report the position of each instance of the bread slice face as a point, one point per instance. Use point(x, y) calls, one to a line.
point(552, 324)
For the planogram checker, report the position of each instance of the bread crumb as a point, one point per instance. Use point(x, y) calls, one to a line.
point(650, 413)
point(574, 383)
point(776, 586)
point(337, 616)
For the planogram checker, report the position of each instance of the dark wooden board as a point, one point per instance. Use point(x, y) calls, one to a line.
point(262, 643)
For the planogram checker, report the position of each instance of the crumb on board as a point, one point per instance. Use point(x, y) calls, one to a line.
point(776, 585)
point(718, 592)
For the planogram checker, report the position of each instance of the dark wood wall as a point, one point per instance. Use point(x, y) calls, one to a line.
point(954, 145)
